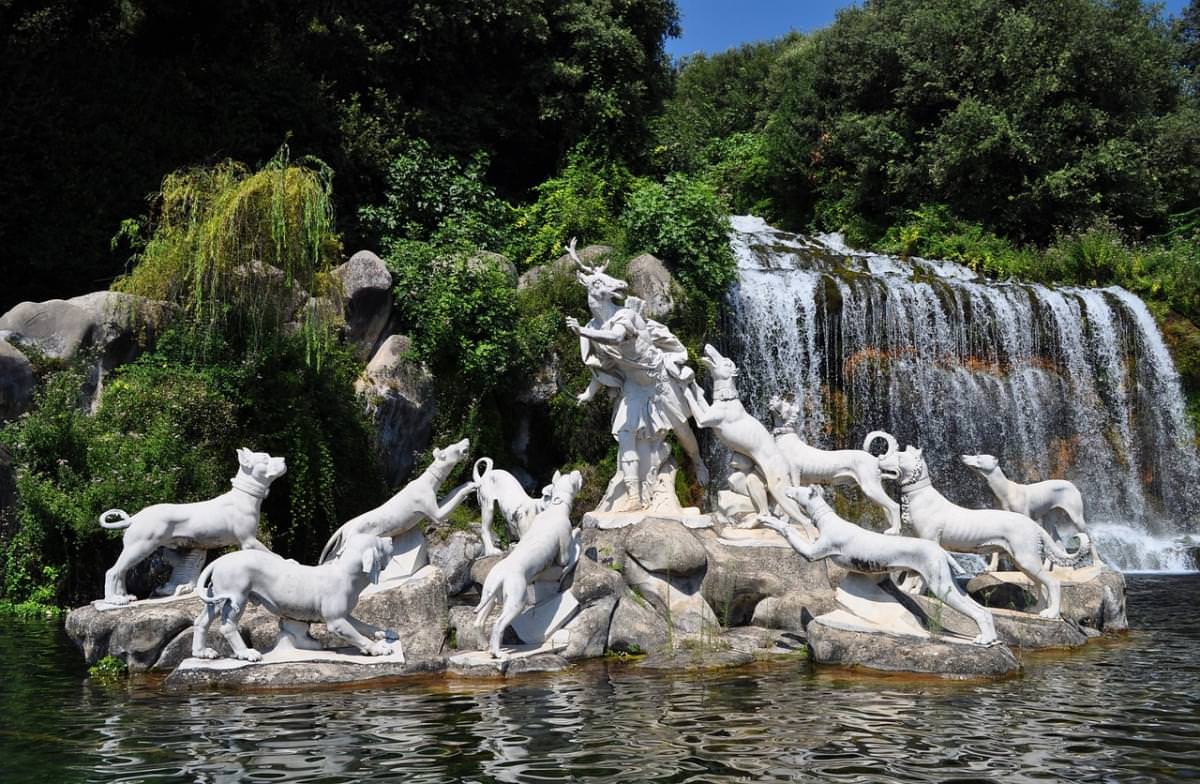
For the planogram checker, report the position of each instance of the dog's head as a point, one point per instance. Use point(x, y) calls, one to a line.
point(373, 552)
point(911, 464)
point(810, 497)
point(453, 454)
point(984, 464)
point(564, 487)
point(722, 368)
point(260, 466)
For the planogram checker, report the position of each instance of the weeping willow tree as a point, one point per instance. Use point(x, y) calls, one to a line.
point(245, 254)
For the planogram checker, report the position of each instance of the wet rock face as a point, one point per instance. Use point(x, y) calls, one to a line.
point(398, 391)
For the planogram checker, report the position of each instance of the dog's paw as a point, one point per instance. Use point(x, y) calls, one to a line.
point(120, 599)
point(249, 655)
point(206, 653)
point(180, 590)
point(379, 648)
point(1048, 615)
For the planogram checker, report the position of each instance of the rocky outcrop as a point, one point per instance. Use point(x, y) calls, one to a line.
point(55, 328)
point(367, 301)
point(416, 609)
point(1092, 597)
point(454, 556)
point(739, 578)
point(399, 395)
point(16, 382)
point(562, 265)
point(650, 280)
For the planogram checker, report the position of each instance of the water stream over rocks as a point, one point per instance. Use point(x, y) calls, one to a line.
point(1057, 382)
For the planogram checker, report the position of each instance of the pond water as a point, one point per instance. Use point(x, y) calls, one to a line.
point(1124, 709)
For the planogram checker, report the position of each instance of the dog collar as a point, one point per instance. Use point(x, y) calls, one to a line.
point(784, 430)
point(725, 394)
point(920, 483)
point(248, 487)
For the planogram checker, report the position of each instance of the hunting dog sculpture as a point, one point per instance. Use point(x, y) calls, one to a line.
point(495, 487)
point(549, 541)
point(860, 550)
point(809, 465)
point(408, 507)
point(229, 519)
point(295, 592)
point(981, 531)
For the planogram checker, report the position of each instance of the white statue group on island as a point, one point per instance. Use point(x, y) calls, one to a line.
point(772, 482)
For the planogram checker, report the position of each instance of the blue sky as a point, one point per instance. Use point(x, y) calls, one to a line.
point(716, 25)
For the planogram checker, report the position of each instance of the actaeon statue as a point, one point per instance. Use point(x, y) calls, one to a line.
point(646, 364)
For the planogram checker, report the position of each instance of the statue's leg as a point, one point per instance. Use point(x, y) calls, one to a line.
point(200, 647)
point(133, 553)
point(231, 613)
point(627, 451)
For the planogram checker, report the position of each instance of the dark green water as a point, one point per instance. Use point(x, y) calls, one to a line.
point(1122, 710)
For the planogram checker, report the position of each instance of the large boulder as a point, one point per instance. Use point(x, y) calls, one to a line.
point(1092, 597)
point(55, 328)
point(399, 396)
point(367, 297)
point(650, 280)
point(589, 630)
point(454, 556)
point(667, 546)
point(126, 323)
point(636, 627)
point(416, 609)
point(16, 381)
point(739, 577)
point(591, 254)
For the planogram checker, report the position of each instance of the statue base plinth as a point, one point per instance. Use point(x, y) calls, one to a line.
point(514, 659)
point(289, 667)
point(154, 601)
point(689, 516)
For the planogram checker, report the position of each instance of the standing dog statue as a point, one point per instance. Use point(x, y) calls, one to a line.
point(297, 593)
point(860, 550)
point(418, 500)
point(982, 531)
point(548, 542)
point(1036, 499)
point(745, 435)
point(810, 465)
point(229, 519)
point(497, 487)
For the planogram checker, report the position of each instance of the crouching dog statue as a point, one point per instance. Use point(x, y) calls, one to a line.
point(298, 594)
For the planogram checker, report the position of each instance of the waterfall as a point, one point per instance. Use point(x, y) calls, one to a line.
point(1064, 382)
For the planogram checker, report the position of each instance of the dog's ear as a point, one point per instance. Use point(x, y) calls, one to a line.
point(243, 456)
point(557, 476)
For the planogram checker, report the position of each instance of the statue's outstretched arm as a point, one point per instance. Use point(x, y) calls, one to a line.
point(608, 337)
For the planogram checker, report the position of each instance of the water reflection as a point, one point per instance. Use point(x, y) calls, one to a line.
point(1119, 710)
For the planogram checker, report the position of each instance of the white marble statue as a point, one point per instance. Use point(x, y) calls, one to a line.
point(810, 465)
point(227, 520)
point(765, 470)
point(416, 501)
point(860, 550)
point(327, 593)
point(981, 531)
point(1036, 499)
point(640, 359)
point(495, 487)
point(550, 541)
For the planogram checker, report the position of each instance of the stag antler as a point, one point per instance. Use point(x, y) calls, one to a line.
point(579, 262)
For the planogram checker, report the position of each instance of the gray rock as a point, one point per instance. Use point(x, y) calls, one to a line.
point(738, 578)
point(1094, 598)
point(1017, 629)
point(589, 630)
point(367, 298)
point(271, 284)
point(16, 382)
point(678, 599)
point(416, 609)
point(591, 581)
point(793, 610)
point(292, 675)
point(56, 328)
point(454, 557)
point(562, 265)
point(485, 259)
point(830, 643)
point(665, 546)
point(136, 634)
point(539, 662)
point(636, 627)
point(466, 635)
point(696, 658)
point(481, 566)
point(650, 279)
point(400, 400)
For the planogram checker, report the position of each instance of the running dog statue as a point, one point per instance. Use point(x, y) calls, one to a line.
point(497, 487)
point(810, 465)
point(303, 594)
point(408, 507)
point(860, 550)
point(229, 519)
point(981, 531)
point(745, 435)
point(1036, 499)
point(549, 541)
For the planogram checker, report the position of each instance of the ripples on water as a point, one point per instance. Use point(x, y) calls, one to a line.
point(1122, 710)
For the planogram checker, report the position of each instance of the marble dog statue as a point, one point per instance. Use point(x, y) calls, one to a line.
point(417, 500)
point(496, 487)
point(982, 531)
point(860, 550)
point(229, 519)
point(327, 593)
point(745, 435)
point(548, 542)
point(1036, 499)
point(810, 465)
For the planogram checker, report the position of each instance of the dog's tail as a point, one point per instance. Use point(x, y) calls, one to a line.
point(122, 520)
point(892, 445)
point(1059, 555)
point(330, 551)
point(478, 474)
point(204, 589)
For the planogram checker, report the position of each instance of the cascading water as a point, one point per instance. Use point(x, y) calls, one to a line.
point(1056, 382)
